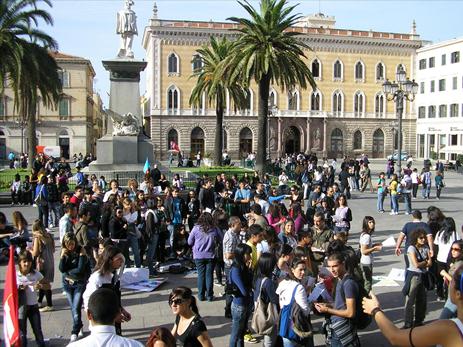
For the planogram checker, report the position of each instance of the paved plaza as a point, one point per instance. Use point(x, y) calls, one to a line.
point(151, 309)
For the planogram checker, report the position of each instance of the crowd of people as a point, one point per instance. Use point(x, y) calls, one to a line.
point(280, 253)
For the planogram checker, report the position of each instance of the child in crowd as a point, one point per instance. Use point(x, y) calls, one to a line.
point(27, 279)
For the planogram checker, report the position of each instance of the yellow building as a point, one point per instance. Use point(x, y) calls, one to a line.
point(74, 124)
point(348, 114)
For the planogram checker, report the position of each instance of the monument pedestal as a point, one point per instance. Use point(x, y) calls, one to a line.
point(123, 153)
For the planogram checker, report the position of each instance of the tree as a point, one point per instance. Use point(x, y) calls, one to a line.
point(24, 52)
point(267, 52)
point(210, 84)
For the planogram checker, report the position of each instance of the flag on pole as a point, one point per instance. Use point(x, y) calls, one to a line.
point(10, 305)
point(146, 168)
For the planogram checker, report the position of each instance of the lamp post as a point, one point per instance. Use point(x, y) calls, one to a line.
point(397, 91)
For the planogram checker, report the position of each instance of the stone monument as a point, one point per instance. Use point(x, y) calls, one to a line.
point(124, 147)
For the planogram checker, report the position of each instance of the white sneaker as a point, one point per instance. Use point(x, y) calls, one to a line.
point(81, 333)
point(73, 337)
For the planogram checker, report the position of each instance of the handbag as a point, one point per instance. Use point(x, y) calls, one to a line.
point(39, 199)
point(265, 316)
point(427, 277)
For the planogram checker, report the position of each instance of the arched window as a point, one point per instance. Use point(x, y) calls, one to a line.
point(380, 71)
point(293, 101)
point(173, 100)
point(173, 66)
point(172, 139)
point(359, 102)
point(337, 70)
point(400, 66)
point(315, 101)
point(316, 69)
point(358, 140)
point(197, 63)
point(337, 104)
point(359, 71)
point(379, 105)
point(272, 99)
point(2, 107)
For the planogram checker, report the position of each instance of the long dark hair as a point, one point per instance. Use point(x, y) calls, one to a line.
point(448, 228)
point(185, 293)
point(450, 259)
point(240, 251)
point(206, 222)
point(103, 264)
point(365, 227)
point(161, 334)
point(266, 264)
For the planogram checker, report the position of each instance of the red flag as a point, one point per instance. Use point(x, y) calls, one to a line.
point(10, 305)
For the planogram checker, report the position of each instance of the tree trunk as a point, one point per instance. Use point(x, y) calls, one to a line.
point(30, 113)
point(218, 142)
point(262, 116)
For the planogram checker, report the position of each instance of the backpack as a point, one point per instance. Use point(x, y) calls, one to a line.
point(265, 316)
point(361, 319)
point(293, 321)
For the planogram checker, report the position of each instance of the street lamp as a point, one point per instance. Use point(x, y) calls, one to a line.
point(400, 89)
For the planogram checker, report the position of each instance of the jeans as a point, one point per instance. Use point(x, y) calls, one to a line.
point(133, 243)
point(414, 189)
point(205, 278)
point(240, 315)
point(408, 202)
point(150, 256)
point(54, 208)
point(380, 202)
point(32, 313)
point(308, 342)
point(228, 297)
point(270, 340)
point(426, 191)
point(43, 214)
point(415, 302)
point(449, 311)
point(367, 272)
point(394, 203)
point(438, 191)
point(74, 295)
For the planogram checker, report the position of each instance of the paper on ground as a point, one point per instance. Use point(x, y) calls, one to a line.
point(397, 275)
point(145, 286)
point(384, 281)
point(389, 242)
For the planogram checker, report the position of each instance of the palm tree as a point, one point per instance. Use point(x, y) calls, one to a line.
point(214, 88)
point(31, 70)
point(267, 52)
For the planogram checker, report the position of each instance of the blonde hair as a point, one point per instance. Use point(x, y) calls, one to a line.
point(68, 237)
point(18, 218)
point(37, 226)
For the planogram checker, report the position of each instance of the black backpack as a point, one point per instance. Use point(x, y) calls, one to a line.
point(361, 319)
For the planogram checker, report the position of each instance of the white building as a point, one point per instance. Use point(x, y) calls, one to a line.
point(439, 102)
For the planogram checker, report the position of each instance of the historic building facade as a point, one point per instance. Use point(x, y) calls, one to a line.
point(439, 102)
point(347, 114)
point(74, 124)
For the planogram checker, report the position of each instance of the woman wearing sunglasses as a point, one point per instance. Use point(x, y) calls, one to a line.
point(455, 260)
point(189, 329)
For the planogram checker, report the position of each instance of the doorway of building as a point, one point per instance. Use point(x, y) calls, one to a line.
point(292, 138)
point(378, 144)
point(245, 142)
point(337, 147)
point(197, 141)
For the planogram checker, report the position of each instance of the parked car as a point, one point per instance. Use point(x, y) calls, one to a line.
point(395, 156)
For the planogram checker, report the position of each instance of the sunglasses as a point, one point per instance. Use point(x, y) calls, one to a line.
point(456, 249)
point(176, 302)
point(421, 238)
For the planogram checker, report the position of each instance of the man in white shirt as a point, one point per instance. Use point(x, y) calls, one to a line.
point(102, 313)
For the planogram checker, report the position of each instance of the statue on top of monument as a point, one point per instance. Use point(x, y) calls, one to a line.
point(124, 125)
point(127, 28)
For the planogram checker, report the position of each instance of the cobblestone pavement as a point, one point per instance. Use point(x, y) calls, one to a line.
point(151, 309)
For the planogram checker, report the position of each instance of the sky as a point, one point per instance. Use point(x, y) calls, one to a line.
point(87, 28)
